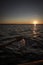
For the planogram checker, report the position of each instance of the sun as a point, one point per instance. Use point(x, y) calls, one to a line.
point(35, 22)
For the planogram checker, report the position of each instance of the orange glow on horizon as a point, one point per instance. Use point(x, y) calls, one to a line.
point(20, 22)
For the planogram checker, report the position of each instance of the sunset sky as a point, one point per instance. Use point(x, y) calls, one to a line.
point(21, 11)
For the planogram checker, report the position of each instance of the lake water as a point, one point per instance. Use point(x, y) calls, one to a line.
point(26, 30)
point(30, 44)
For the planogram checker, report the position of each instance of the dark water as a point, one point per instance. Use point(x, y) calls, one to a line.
point(21, 43)
point(17, 30)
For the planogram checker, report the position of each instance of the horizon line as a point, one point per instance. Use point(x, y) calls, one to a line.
point(19, 23)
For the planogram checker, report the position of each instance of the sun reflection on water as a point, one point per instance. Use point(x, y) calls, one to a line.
point(34, 30)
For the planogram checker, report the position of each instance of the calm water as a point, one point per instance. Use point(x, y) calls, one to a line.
point(9, 32)
point(32, 43)
point(26, 30)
